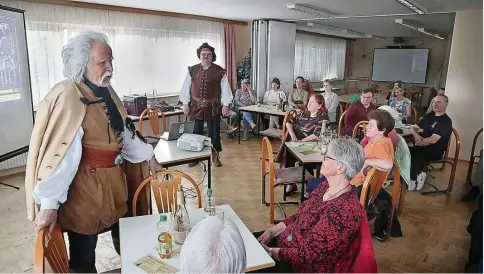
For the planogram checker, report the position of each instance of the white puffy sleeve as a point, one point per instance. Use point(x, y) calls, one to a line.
point(135, 150)
point(227, 95)
point(53, 190)
point(185, 90)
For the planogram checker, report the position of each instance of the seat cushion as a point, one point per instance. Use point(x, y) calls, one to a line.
point(291, 175)
point(272, 132)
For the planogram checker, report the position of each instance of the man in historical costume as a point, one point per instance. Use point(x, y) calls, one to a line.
point(206, 95)
point(86, 158)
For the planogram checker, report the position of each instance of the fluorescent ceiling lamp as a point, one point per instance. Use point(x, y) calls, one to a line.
point(413, 5)
point(352, 32)
point(321, 26)
point(374, 37)
point(309, 10)
point(406, 23)
point(428, 32)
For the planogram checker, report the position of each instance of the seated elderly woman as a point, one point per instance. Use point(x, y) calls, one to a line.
point(379, 151)
point(243, 97)
point(320, 234)
point(213, 246)
point(392, 134)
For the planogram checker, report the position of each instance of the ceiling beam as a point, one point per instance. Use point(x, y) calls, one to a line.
point(78, 4)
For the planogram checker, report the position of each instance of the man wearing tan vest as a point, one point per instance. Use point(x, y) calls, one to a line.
point(86, 158)
point(206, 95)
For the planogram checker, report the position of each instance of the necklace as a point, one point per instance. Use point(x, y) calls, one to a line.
point(335, 193)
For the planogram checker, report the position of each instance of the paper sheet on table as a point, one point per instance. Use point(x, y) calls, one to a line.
point(150, 264)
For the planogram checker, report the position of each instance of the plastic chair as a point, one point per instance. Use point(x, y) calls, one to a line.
point(473, 157)
point(54, 251)
point(153, 114)
point(445, 160)
point(164, 186)
point(277, 177)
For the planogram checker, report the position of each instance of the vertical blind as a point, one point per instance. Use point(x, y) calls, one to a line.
point(150, 52)
point(318, 58)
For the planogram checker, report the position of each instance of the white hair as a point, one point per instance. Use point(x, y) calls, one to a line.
point(349, 153)
point(76, 55)
point(393, 112)
point(213, 246)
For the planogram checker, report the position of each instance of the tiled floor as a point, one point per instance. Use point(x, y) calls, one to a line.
point(435, 239)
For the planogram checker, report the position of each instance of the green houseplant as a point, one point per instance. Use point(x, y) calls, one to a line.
point(244, 68)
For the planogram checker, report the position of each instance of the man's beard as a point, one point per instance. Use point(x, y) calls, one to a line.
point(105, 79)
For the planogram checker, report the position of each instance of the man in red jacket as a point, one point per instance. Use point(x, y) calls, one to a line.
point(358, 110)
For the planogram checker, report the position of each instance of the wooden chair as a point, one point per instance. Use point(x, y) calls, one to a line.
point(54, 251)
point(153, 114)
point(164, 186)
point(277, 177)
point(355, 90)
point(340, 111)
point(413, 121)
point(445, 160)
point(279, 133)
point(340, 124)
point(356, 129)
point(473, 157)
point(374, 181)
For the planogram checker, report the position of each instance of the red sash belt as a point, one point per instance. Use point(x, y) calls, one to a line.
point(97, 158)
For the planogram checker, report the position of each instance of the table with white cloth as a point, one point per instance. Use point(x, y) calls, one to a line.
point(168, 154)
point(297, 149)
point(261, 109)
point(139, 237)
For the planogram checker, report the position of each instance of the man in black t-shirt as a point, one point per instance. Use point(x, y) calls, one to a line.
point(431, 144)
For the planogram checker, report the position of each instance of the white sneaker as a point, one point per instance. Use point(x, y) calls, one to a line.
point(411, 185)
point(421, 180)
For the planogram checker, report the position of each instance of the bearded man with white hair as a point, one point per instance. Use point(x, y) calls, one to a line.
point(86, 158)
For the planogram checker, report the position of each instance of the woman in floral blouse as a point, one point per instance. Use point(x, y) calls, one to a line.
point(318, 236)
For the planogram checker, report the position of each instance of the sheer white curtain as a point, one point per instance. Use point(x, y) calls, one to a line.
point(318, 58)
point(150, 52)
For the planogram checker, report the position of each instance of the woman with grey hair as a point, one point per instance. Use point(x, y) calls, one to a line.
point(321, 233)
point(244, 97)
point(213, 246)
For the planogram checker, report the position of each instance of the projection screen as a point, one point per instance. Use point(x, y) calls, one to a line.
point(16, 110)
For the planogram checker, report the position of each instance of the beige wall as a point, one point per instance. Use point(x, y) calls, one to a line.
point(464, 78)
point(361, 67)
point(243, 37)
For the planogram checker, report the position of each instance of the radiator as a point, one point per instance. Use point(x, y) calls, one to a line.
point(17, 161)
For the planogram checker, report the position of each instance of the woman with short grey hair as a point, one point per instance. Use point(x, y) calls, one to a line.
point(318, 237)
point(213, 246)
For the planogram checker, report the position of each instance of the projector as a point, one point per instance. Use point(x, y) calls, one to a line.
point(193, 142)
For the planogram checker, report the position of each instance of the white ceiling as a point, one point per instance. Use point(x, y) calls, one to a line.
point(374, 17)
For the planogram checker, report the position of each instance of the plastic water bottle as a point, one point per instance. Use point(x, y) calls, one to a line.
point(209, 209)
point(165, 243)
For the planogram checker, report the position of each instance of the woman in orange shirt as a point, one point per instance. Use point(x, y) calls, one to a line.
point(379, 150)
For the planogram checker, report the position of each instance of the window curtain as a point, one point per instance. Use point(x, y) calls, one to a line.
point(150, 52)
point(318, 58)
point(230, 63)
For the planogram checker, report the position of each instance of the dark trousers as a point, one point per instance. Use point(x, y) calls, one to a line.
point(421, 155)
point(279, 267)
point(82, 249)
point(213, 126)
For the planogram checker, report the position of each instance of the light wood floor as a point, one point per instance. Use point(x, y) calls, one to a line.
point(434, 228)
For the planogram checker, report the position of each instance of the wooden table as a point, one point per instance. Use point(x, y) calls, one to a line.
point(168, 154)
point(176, 112)
point(296, 149)
point(261, 109)
point(139, 238)
point(382, 96)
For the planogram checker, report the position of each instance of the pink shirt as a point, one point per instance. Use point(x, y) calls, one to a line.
point(392, 135)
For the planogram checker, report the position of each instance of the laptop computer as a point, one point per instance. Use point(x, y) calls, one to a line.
point(177, 129)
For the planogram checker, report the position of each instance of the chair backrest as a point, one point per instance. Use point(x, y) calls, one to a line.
point(340, 123)
point(288, 118)
point(355, 90)
point(54, 250)
point(456, 156)
point(472, 156)
point(340, 110)
point(164, 186)
point(152, 114)
point(373, 183)
point(267, 166)
point(474, 142)
point(363, 124)
point(414, 116)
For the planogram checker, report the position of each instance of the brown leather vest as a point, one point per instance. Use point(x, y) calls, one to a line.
point(205, 91)
point(97, 196)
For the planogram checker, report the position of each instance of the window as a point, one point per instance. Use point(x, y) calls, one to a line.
point(318, 58)
point(150, 52)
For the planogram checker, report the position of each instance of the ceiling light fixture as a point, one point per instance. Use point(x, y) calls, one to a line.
point(321, 26)
point(374, 37)
point(352, 32)
point(309, 10)
point(413, 5)
point(431, 33)
point(407, 23)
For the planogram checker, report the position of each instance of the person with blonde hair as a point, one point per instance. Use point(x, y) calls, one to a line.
point(213, 246)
